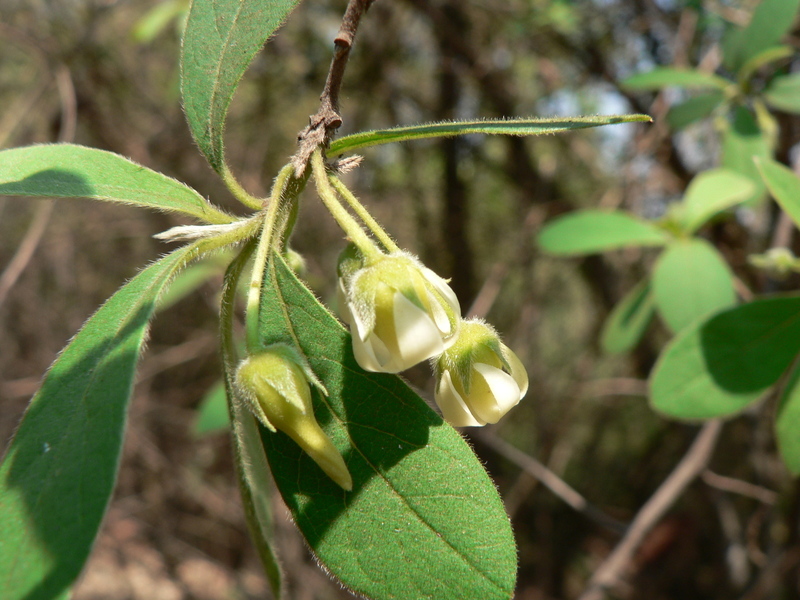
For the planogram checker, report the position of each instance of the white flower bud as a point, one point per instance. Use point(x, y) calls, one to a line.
point(400, 312)
point(478, 379)
point(275, 385)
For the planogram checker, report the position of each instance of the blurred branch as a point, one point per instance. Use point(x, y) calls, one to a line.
point(327, 119)
point(691, 465)
point(550, 480)
point(737, 486)
point(26, 249)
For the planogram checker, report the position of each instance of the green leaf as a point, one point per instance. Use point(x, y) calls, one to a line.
point(520, 127)
point(772, 19)
point(627, 323)
point(58, 474)
point(423, 520)
point(661, 77)
point(760, 60)
point(710, 193)
point(219, 42)
point(787, 423)
point(783, 93)
point(693, 109)
point(742, 142)
point(192, 278)
point(155, 20)
point(69, 171)
point(212, 414)
point(592, 231)
point(718, 367)
point(252, 470)
point(784, 186)
point(690, 281)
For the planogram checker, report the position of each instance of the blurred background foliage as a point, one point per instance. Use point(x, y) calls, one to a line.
point(103, 73)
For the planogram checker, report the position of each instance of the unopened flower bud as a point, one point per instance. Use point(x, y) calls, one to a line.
point(276, 387)
point(400, 312)
point(478, 379)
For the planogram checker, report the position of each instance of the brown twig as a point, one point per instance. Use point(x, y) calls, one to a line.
point(29, 244)
point(737, 486)
point(550, 480)
point(613, 569)
point(324, 123)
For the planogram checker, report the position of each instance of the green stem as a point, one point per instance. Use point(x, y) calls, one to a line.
point(363, 214)
point(350, 226)
point(238, 191)
point(270, 238)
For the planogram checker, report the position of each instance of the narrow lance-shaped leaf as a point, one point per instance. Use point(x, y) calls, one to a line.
point(784, 186)
point(669, 76)
point(591, 231)
point(219, 42)
point(715, 368)
point(711, 192)
point(761, 59)
point(58, 474)
point(70, 171)
point(628, 321)
point(787, 423)
point(690, 281)
point(771, 20)
point(533, 126)
point(423, 519)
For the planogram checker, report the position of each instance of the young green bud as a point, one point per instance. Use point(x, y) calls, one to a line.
point(400, 312)
point(478, 379)
point(276, 387)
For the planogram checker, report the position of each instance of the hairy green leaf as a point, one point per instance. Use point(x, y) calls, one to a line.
point(787, 423)
point(711, 192)
point(693, 109)
point(58, 474)
point(690, 281)
point(661, 77)
point(423, 520)
point(628, 321)
point(784, 186)
point(717, 367)
point(771, 20)
point(219, 42)
point(533, 126)
point(591, 231)
point(742, 142)
point(70, 171)
point(783, 93)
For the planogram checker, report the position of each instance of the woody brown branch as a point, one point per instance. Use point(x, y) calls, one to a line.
point(324, 123)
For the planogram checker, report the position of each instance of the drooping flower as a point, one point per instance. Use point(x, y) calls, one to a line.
point(478, 379)
point(400, 312)
point(275, 384)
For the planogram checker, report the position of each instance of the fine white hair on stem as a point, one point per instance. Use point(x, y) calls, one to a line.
point(183, 233)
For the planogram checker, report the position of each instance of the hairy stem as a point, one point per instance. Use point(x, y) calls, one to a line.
point(364, 214)
point(345, 220)
point(270, 237)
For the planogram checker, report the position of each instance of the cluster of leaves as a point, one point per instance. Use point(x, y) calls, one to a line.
point(423, 514)
point(725, 356)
